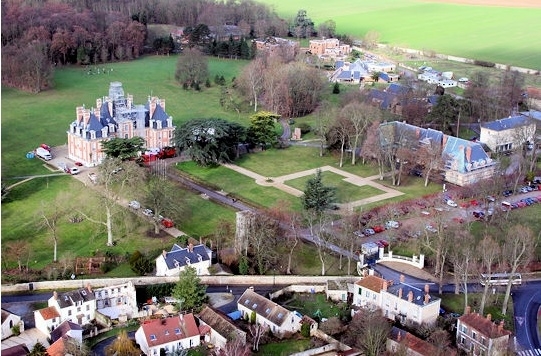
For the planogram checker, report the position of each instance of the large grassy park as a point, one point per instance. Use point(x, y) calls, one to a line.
point(504, 34)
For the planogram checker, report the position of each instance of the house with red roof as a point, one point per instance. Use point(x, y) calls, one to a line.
point(47, 319)
point(168, 334)
point(480, 335)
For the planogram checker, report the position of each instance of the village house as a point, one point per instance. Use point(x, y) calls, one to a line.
point(116, 115)
point(47, 319)
point(362, 71)
point(463, 162)
point(478, 335)
point(330, 48)
point(9, 321)
point(67, 329)
point(278, 319)
point(276, 46)
point(78, 306)
point(173, 262)
point(508, 134)
point(399, 301)
point(216, 328)
point(402, 341)
point(168, 334)
point(118, 302)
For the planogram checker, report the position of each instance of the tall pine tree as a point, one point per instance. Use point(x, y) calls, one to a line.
point(317, 197)
point(189, 291)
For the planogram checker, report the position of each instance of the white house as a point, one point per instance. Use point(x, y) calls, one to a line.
point(172, 262)
point(508, 134)
point(47, 319)
point(78, 306)
point(69, 329)
point(217, 329)
point(278, 319)
point(481, 336)
point(169, 334)
point(10, 320)
point(397, 301)
point(118, 301)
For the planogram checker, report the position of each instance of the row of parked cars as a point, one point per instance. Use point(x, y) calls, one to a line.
point(166, 222)
point(521, 203)
point(391, 224)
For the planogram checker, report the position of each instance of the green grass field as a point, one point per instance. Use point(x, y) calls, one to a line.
point(498, 34)
point(31, 119)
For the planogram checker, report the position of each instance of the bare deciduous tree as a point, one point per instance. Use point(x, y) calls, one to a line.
point(368, 330)
point(489, 252)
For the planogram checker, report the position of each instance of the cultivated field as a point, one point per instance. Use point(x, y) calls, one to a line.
point(502, 31)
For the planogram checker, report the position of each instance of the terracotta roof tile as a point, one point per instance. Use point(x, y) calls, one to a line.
point(166, 330)
point(483, 325)
point(49, 313)
point(371, 282)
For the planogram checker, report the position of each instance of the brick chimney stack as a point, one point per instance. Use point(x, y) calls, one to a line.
point(489, 317)
point(88, 288)
point(410, 296)
point(402, 278)
point(427, 299)
point(385, 285)
point(500, 326)
point(468, 310)
point(427, 288)
point(400, 293)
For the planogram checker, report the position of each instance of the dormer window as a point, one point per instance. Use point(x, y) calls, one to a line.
point(153, 337)
point(92, 134)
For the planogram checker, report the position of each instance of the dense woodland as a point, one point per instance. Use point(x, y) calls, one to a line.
point(39, 36)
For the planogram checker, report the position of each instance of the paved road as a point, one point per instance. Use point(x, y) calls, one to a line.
point(526, 306)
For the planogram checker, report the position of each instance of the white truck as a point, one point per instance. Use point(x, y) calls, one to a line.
point(43, 153)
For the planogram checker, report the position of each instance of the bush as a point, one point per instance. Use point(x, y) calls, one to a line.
point(305, 128)
point(253, 316)
point(305, 330)
point(484, 63)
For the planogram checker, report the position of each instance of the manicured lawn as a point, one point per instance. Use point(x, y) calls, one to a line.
point(345, 192)
point(283, 348)
point(493, 33)
point(316, 305)
point(31, 119)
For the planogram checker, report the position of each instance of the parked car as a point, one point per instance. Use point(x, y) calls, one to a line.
point(369, 232)
point(431, 228)
point(74, 170)
point(45, 146)
point(93, 177)
point(148, 212)
point(478, 214)
point(79, 164)
point(474, 202)
point(451, 203)
point(523, 190)
point(358, 233)
point(490, 198)
point(384, 243)
point(167, 223)
point(134, 204)
point(117, 169)
point(378, 228)
point(458, 219)
point(391, 224)
point(507, 193)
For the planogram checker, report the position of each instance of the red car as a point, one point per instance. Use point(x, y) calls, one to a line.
point(384, 243)
point(474, 202)
point(45, 146)
point(167, 223)
point(78, 164)
point(458, 219)
point(378, 228)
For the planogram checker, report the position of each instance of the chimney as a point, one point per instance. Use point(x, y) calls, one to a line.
point(190, 247)
point(55, 295)
point(468, 310)
point(164, 253)
point(88, 288)
point(410, 296)
point(385, 285)
point(427, 288)
point(400, 293)
point(500, 326)
point(489, 317)
point(468, 153)
point(402, 278)
point(427, 299)
point(152, 107)
point(399, 336)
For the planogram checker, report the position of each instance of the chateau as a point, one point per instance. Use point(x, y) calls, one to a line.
point(116, 115)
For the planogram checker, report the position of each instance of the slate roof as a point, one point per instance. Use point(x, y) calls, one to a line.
point(221, 324)
point(17, 350)
point(485, 326)
point(534, 114)
point(166, 330)
point(105, 116)
point(418, 294)
point(507, 123)
point(63, 329)
point(465, 155)
point(68, 299)
point(264, 307)
point(180, 256)
point(5, 315)
point(49, 313)
point(371, 282)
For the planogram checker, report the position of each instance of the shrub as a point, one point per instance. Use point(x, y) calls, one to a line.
point(252, 317)
point(305, 330)
point(484, 63)
point(305, 128)
point(16, 330)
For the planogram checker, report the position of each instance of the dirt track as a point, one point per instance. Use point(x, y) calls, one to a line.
point(503, 3)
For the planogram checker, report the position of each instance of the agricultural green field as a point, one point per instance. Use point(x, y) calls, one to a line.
point(499, 34)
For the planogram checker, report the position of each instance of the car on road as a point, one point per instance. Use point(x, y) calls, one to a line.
point(451, 203)
point(392, 224)
point(148, 212)
point(134, 204)
point(358, 233)
point(117, 169)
